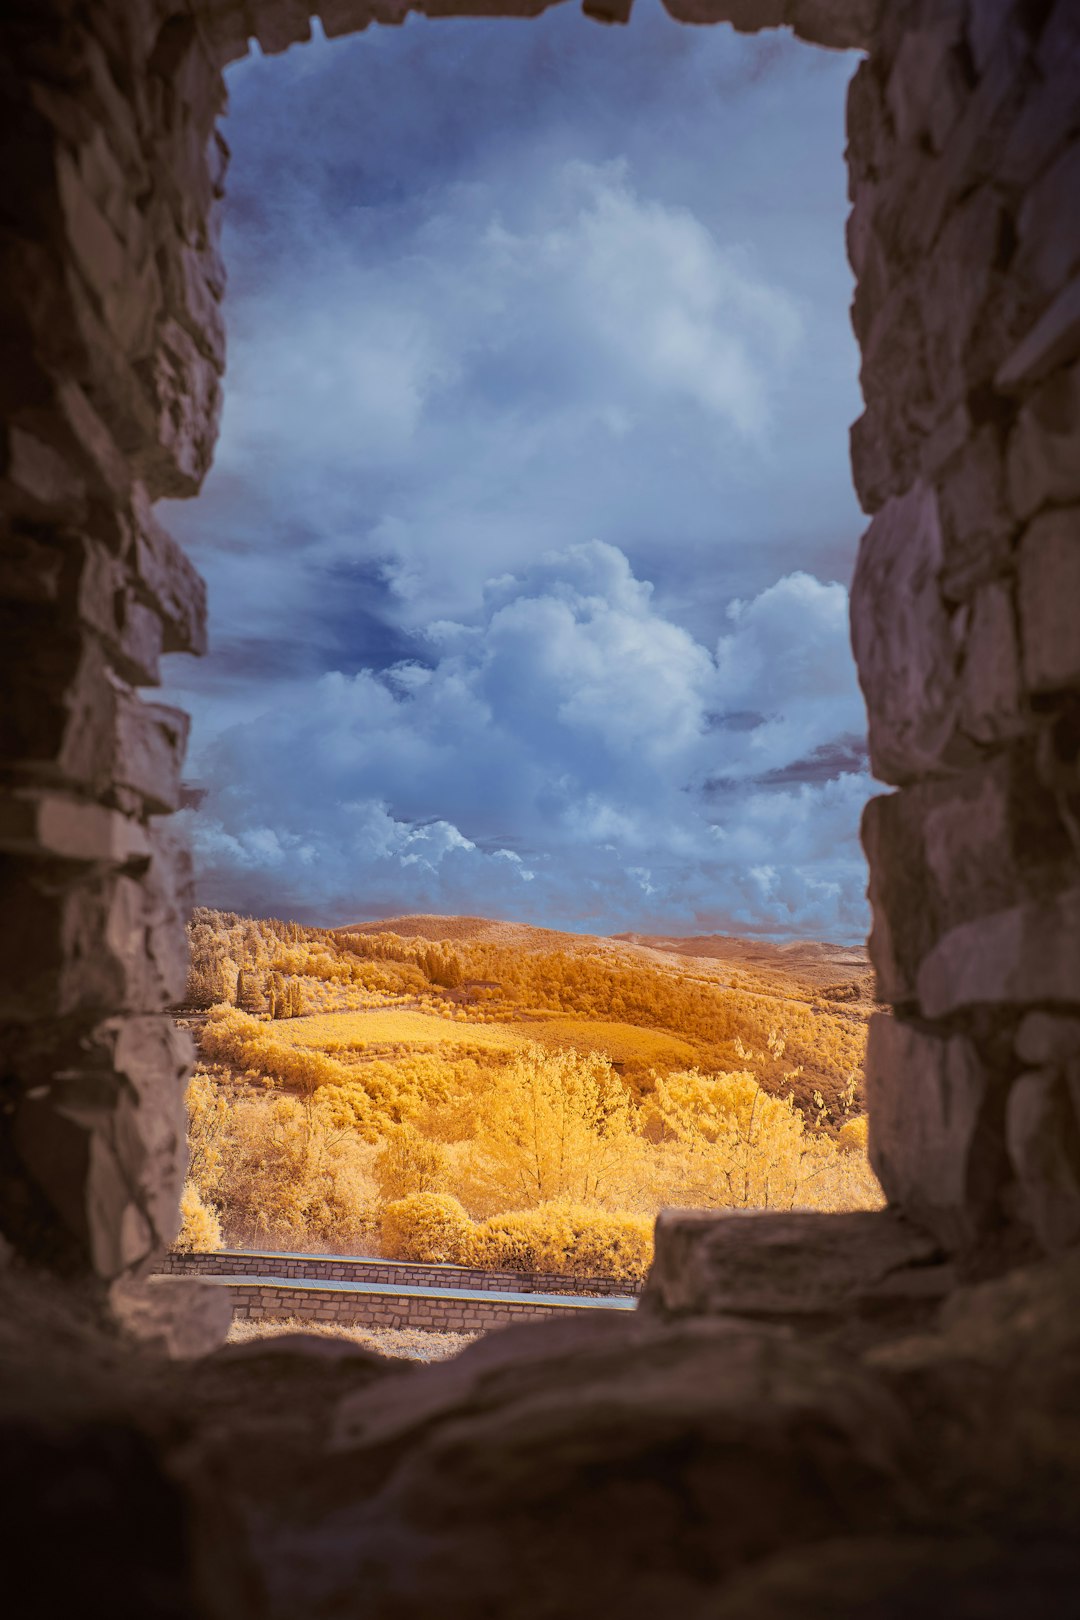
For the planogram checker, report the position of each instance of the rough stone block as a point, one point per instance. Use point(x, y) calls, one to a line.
point(95, 943)
point(227, 31)
point(118, 1107)
point(842, 25)
point(871, 140)
point(1049, 601)
point(131, 632)
point(868, 259)
point(1043, 1137)
point(40, 481)
point(49, 826)
point(150, 743)
point(343, 16)
point(971, 154)
point(984, 25)
point(881, 464)
point(1053, 341)
point(972, 311)
point(943, 853)
point(933, 1142)
point(187, 390)
point(67, 1151)
point(926, 88)
point(92, 241)
point(117, 384)
point(786, 1266)
point(194, 286)
point(155, 1058)
point(1044, 448)
point(906, 647)
point(281, 23)
point(178, 1317)
point(168, 580)
point(977, 522)
point(1047, 1038)
point(992, 702)
point(1027, 954)
point(59, 711)
point(1049, 224)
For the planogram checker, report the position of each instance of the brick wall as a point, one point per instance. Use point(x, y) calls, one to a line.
point(442, 1310)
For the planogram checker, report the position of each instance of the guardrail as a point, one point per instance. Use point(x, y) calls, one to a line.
point(364, 1271)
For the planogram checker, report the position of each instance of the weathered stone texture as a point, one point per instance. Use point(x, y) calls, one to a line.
point(1043, 1134)
point(804, 1270)
point(906, 642)
point(1006, 960)
point(112, 284)
point(946, 854)
point(935, 1133)
point(1044, 447)
point(964, 151)
point(1049, 591)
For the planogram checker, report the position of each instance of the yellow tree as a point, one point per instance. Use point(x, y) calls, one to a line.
point(729, 1144)
point(408, 1163)
point(557, 1126)
point(723, 1141)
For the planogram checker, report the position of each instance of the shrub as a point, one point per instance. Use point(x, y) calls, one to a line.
point(853, 1133)
point(568, 1240)
point(200, 1228)
point(427, 1226)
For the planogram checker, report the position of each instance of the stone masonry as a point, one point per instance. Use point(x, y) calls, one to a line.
point(400, 1273)
point(432, 1310)
point(964, 156)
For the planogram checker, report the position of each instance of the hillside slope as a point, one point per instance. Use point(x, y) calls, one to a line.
point(512, 1075)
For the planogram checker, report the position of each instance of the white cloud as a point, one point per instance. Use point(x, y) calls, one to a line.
point(511, 296)
point(563, 744)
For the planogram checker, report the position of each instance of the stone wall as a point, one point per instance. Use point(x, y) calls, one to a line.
point(113, 352)
point(396, 1273)
point(433, 1310)
point(964, 152)
point(964, 235)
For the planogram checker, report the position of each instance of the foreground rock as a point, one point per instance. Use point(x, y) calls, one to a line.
point(718, 1467)
point(573, 1470)
point(854, 1275)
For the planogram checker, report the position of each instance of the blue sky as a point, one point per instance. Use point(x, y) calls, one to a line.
point(530, 530)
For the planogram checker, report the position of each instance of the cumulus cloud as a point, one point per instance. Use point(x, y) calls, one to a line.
point(533, 465)
point(566, 740)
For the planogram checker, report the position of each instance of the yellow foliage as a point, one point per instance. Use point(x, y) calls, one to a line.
point(853, 1134)
point(200, 1228)
point(518, 1080)
point(634, 1050)
point(723, 1141)
point(408, 1163)
point(569, 1240)
point(281, 1172)
point(429, 1227)
point(554, 1126)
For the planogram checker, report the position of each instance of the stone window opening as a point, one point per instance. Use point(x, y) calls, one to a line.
point(965, 652)
point(964, 164)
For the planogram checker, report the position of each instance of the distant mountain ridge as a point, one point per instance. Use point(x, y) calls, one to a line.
point(815, 963)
